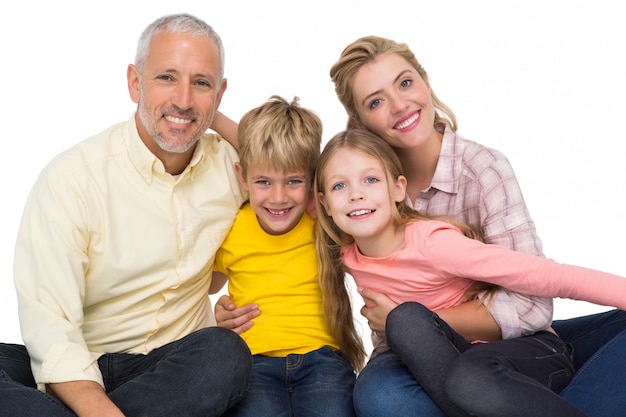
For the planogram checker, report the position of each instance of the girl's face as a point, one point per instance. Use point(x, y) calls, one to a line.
point(394, 101)
point(356, 195)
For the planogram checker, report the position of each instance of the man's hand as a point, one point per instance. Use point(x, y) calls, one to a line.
point(85, 398)
point(237, 319)
point(376, 309)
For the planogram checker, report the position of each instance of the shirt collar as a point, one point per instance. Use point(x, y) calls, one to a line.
point(146, 162)
point(448, 172)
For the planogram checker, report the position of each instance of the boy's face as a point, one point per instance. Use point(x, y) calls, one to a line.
point(278, 198)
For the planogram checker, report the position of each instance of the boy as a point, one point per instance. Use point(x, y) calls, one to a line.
point(270, 259)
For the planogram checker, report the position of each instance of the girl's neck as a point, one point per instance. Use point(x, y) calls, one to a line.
point(419, 164)
point(383, 244)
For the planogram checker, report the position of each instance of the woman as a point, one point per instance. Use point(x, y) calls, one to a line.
point(384, 89)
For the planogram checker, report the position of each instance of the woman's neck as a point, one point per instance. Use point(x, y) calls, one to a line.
point(419, 164)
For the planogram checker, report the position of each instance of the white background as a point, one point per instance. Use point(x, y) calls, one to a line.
point(543, 81)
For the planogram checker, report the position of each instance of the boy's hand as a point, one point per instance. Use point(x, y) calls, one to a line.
point(237, 319)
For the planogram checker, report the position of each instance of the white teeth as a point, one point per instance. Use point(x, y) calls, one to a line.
point(177, 120)
point(408, 122)
point(277, 213)
point(359, 212)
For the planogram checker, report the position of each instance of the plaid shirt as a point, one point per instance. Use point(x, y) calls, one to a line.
point(478, 186)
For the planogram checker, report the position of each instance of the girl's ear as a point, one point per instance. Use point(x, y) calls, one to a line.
point(241, 176)
point(324, 203)
point(399, 189)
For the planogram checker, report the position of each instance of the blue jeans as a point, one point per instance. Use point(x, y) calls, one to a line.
point(599, 342)
point(489, 379)
point(318, 383)
point(386, 387)
point(202, 374)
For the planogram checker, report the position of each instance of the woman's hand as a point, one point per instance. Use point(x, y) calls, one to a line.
point(376, 309)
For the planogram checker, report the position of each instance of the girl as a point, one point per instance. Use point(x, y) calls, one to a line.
point(384, 89)
point(365, 223)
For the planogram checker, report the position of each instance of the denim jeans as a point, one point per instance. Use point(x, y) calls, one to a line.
point(385, 387)
point(599, 342)
point(202, 374)
point(517, 377)
point(318, 383)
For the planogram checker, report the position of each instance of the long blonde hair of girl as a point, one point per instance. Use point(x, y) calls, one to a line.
point(330, 239)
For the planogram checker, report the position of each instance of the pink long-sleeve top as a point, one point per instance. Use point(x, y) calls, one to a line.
point(438, 265)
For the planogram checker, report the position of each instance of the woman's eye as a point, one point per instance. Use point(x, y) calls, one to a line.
point(405, 83)
point(375, 103)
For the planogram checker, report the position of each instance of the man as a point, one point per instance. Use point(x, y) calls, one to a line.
point(115, 251)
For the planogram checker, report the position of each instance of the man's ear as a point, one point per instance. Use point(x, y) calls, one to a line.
point(241, 176)
point(220, 93)
point(132, 77)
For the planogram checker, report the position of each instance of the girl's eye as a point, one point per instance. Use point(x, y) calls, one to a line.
point(371, 180)
point(374, 103)
point(338, 186)
point(405, 83)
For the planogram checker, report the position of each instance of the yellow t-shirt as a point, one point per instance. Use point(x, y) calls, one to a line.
point(279, 273)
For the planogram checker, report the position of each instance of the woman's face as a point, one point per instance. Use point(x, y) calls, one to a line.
point(394, 101)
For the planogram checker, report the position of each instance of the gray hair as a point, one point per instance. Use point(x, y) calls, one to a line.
point(177, 23)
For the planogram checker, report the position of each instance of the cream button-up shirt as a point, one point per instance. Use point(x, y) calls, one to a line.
point(115, 255)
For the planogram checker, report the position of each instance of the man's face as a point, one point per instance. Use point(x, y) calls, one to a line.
point(178, 92)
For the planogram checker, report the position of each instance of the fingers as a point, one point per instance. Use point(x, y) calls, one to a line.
point(225, 303)
point(236, 319)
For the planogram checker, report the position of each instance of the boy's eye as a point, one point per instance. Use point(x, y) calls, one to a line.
point(262, 182)
point(295, 181)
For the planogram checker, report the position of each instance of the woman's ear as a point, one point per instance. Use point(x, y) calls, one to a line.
point(354, 123)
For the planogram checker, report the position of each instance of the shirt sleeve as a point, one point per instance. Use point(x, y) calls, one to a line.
point(49, 274)
point(453, 255)
point(506, 221)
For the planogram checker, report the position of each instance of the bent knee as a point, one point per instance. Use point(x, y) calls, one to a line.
point(410, 312)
